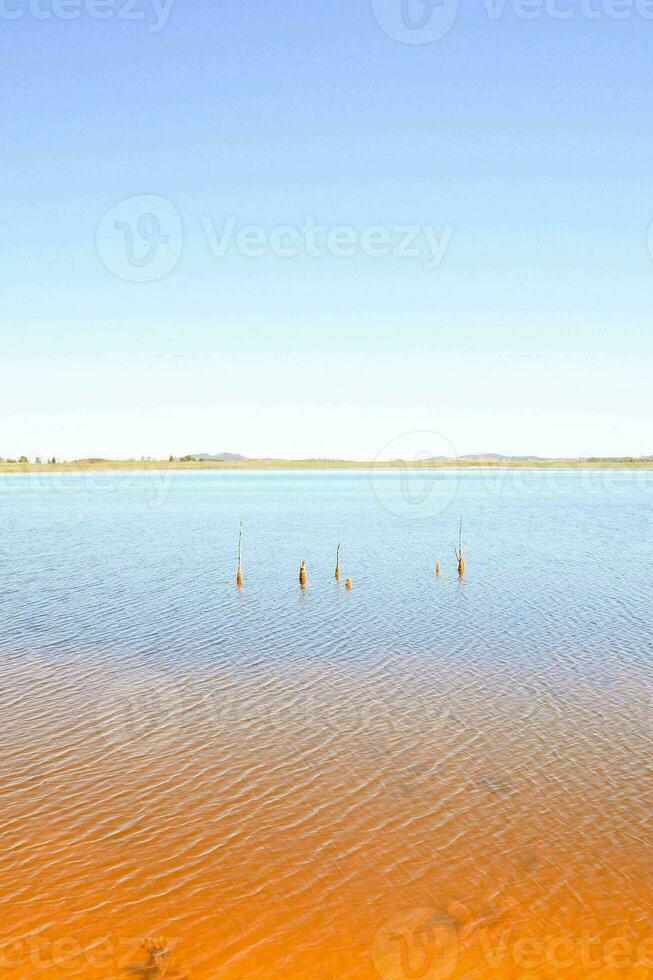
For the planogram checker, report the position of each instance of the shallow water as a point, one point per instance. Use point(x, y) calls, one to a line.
point(421, 778)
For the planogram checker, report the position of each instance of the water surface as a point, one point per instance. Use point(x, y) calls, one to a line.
point(419, 778)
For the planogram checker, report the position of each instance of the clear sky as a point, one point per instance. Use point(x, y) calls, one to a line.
point(516, 151)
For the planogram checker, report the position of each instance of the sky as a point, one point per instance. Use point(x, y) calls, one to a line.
point(340, 229)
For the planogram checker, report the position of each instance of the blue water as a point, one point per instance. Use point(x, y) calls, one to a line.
point(558, 564)
point(285, 780)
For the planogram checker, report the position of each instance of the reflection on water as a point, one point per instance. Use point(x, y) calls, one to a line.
point(417, 779)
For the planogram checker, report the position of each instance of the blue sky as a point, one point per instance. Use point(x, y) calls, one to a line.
point(524, 144)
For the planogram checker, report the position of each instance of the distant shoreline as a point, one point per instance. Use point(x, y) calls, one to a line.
point(81, 466)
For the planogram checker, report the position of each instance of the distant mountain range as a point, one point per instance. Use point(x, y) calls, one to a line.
point(499, 458)
point(480, 457)
point(487, 458)
point(466, 458)
point(218, 457)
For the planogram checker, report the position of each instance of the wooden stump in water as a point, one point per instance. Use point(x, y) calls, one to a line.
point(459, 551)
point(158, 952)
point(239, 573)
point(348, 585)
point(303, 575)
point(438, 570)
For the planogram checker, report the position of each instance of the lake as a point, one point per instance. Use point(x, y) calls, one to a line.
point(421, 777)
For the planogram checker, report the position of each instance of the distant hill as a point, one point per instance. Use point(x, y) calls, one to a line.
point(219, 457)
point(499, 458)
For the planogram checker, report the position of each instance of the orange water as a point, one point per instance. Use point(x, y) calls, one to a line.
point(420, 778)
point(348, 822)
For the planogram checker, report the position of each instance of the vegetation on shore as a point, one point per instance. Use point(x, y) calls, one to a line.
point(23, 465)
